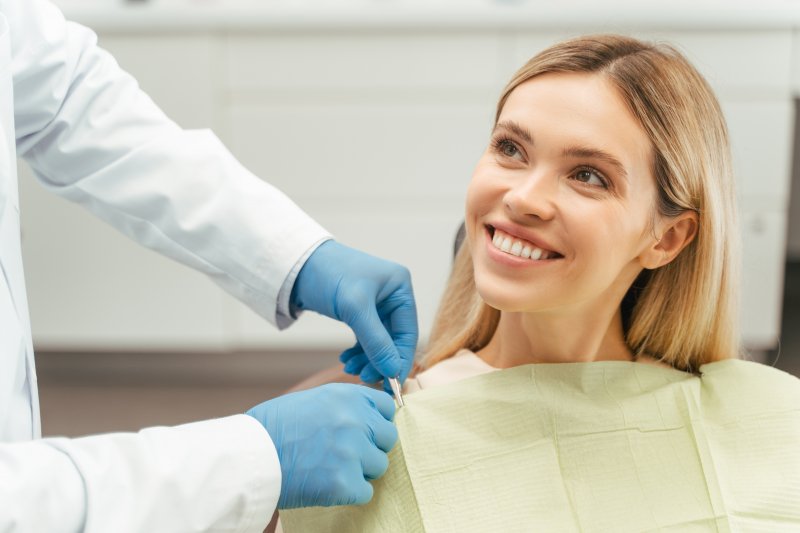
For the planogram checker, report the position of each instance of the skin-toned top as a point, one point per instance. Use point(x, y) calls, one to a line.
point(466, 364)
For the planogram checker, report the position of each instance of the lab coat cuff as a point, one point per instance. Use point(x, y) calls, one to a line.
point(268, 476)
point(221, 474)
point(286, 313)
point(43, 485)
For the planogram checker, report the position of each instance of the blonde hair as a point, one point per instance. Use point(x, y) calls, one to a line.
point(684, 313)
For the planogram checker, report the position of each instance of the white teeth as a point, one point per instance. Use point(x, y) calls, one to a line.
point(518, 248)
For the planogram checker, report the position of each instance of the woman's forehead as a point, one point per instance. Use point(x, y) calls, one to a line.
point(582, 109)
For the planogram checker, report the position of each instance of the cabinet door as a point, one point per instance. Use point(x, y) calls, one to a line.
point(763, 239)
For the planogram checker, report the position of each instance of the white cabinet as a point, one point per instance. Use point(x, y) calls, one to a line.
point(763, 240)
point(740, 62)
point(375, 134)
point(365, 61)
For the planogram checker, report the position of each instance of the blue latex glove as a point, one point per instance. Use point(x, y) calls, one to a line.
point(330, 441)
point(372, 296)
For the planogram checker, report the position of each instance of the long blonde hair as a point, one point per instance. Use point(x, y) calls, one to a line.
point(686, 312)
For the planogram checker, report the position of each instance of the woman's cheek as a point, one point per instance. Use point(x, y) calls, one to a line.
point(474, 204)
point(481, 195)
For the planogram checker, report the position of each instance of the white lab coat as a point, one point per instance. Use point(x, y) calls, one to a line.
point(92, 136)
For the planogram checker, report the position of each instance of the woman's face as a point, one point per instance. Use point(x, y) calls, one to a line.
point(560, 207)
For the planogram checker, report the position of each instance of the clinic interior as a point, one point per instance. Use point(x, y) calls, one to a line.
point(372, 123)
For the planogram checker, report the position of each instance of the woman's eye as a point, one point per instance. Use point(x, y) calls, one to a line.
point(507, 148)
point(590, 177)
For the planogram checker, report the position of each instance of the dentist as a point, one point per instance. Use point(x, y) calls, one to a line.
point(93, 137)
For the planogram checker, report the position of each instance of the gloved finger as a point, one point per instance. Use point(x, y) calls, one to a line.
point(370, 375)
point(350, 352)
point(361, 493)
point(382, 402)
point(356, 364)
point(376, 342)
point(347, 486)
point(404, 330)
point(374, 462)
point(383, 433)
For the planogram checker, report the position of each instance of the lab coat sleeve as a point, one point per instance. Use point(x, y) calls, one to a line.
point(217, 475)
point(92, 136)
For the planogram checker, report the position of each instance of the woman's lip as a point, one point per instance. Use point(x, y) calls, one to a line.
point(522, 236)
point(512, 260)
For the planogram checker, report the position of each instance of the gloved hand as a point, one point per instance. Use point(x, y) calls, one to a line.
point(372, 296)
point(330, 441)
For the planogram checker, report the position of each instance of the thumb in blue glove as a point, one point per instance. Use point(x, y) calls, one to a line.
point(372, 296)
point(330, 441)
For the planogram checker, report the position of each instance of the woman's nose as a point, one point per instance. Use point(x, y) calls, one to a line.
point(532, 197)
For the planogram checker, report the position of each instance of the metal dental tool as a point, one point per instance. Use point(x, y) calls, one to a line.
point(396, 389)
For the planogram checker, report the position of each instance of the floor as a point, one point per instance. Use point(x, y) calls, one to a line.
point(94, 392)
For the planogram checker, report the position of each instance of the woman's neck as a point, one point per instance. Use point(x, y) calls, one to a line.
point(523, 338)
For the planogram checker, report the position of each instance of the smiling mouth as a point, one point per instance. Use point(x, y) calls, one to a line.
point(517, 247)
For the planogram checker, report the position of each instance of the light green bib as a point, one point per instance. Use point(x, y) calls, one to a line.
point(604, 446)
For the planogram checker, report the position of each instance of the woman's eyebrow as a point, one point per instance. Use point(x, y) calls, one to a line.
point(595, 153)
point(515, 128)
point(573, 151)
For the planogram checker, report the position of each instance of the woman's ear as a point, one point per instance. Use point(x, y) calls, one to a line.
point(676, 234)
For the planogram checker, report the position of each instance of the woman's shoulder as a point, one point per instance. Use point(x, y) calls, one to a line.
point(648, 359)
point(463, 364)
point(754, 373)
point(749, 386)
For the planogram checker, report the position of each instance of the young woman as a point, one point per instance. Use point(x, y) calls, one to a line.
point(601, 227)
point(601, 219)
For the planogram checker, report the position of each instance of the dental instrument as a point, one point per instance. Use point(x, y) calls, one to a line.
point(395, 384)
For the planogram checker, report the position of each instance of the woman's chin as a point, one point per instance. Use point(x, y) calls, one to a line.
point(506, 301)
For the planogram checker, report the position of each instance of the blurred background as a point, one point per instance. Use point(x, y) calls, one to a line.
point(371, 116)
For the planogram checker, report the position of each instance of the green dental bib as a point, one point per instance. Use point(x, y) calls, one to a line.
point(604, 446)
